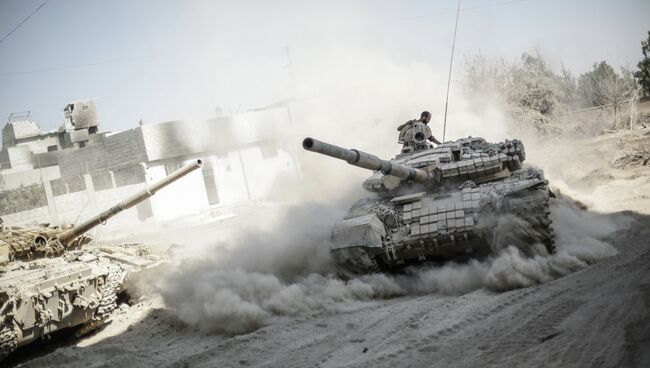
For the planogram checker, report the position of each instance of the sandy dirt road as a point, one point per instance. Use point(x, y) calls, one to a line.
point(597, 317)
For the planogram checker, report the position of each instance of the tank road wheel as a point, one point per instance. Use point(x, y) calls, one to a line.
point(355, 260)
point(107, 304)
point(529, 224)
point(8, 340)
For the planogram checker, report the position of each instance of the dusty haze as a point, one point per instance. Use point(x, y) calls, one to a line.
point(352, 92)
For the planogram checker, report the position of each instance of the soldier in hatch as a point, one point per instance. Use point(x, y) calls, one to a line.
point(425, 117)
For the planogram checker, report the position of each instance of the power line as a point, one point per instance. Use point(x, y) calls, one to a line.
point(24, 20)
point(34, 6)
point(465, 9)
point(76, 66)
point(156, 56)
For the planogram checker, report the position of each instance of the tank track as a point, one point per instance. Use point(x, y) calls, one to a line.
point(534, 209)
point(8, 340)
point(107, 304)
point(355, 261)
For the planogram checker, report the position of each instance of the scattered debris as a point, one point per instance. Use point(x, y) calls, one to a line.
point(631, 160)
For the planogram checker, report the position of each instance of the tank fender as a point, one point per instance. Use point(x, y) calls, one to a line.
point(362, 231)
point(525, 186)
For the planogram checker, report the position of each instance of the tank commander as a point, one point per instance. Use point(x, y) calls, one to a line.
point(425, 117)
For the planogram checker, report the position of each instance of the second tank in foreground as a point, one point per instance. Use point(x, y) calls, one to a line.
point(50, 280)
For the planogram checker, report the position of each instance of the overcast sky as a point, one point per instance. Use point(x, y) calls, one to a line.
point(175, 59)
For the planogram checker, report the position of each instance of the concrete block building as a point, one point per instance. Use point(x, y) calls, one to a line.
point(69, 174)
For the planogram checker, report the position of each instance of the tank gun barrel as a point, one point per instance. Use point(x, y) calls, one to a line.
point(366, 161)
point(136, 198)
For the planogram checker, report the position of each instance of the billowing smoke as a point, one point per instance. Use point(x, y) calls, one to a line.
point(288, 271)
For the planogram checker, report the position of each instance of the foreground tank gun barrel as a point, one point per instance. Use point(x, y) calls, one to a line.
point(367, 161)
point(151, 189)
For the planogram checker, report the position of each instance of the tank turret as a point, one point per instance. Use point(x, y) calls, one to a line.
point(30, 242)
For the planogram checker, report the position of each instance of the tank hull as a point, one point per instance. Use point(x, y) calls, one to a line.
point(387, 233)
point(80, 290)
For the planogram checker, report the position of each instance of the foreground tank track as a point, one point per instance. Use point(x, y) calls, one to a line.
point(108, 302)
point(8, 340)
point(356, 261)
point(534, 209)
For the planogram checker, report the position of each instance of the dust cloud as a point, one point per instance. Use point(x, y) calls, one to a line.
point(288, 271)
point(283, 272)
point(353, 91)
point(239, 284)
point(579, 238)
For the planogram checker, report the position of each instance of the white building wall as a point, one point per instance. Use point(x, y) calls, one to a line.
point(229, 178)
point(74, 208)
point(12, 180)
point(20, 158)
point(261, 172)
point(40, 144)
point(105, 199)
point(183, 197)
point(239, 176)
point(31, 217)
point(246, 174)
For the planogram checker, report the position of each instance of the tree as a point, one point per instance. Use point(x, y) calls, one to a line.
point(590, 83)
point(603, 87)
point(643, 74)
point(533, 94)
point(569, 86)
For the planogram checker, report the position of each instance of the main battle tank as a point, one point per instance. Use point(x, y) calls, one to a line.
point(50, 281)
point(464, 198)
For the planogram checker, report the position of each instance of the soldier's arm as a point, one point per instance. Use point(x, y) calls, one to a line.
point(403, 125)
